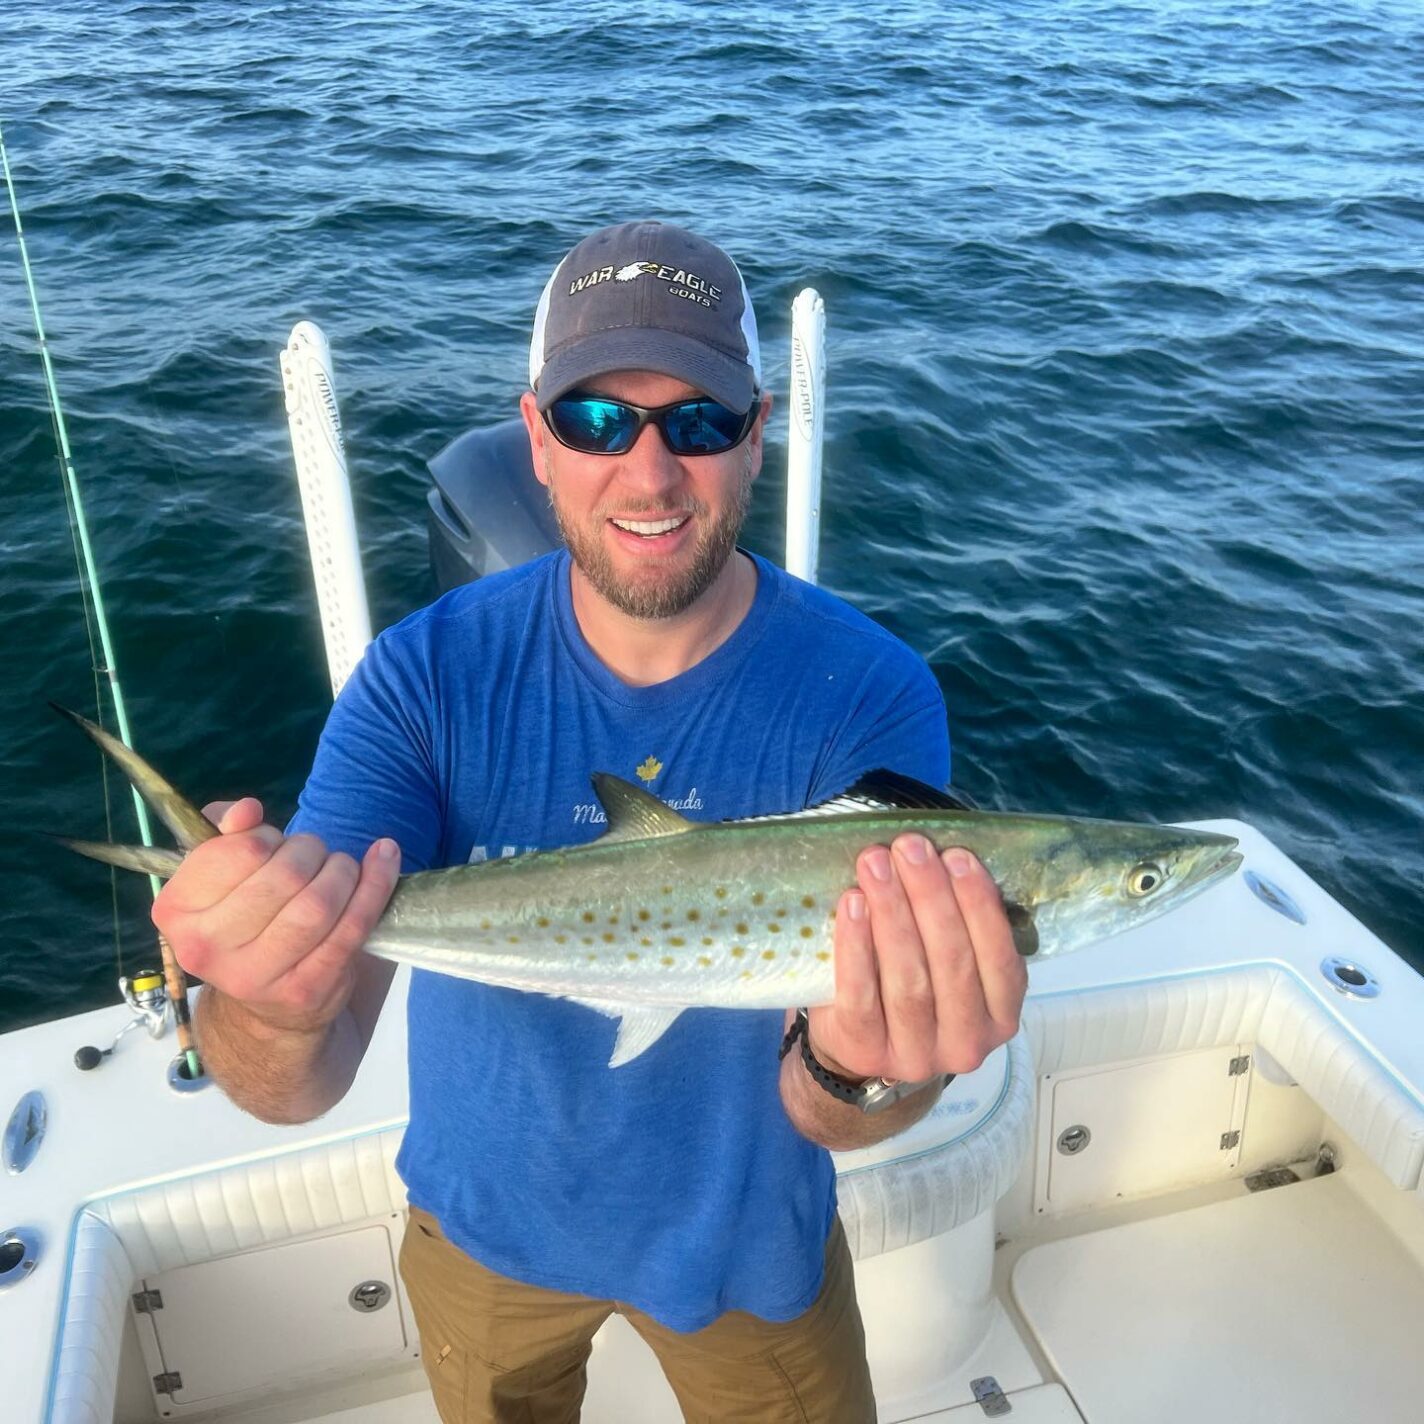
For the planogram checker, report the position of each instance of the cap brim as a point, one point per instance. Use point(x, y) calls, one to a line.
point(725, 378)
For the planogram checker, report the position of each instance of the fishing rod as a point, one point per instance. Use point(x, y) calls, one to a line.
point(176, 983)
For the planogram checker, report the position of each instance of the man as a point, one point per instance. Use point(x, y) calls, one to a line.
point(690, 1189)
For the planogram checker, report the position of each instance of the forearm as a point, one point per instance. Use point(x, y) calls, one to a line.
point(277, 1075)
point(823, 1119)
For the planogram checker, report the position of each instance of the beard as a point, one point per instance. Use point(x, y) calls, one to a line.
point(659, 592)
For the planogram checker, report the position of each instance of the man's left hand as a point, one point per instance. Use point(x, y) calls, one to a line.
point(928, 979)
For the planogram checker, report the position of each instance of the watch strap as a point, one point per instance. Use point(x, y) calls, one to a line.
point(869, 1095)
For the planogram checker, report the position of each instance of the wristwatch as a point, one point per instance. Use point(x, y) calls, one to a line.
point(870, 1095)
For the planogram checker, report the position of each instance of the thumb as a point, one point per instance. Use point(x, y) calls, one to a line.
point(233, 816)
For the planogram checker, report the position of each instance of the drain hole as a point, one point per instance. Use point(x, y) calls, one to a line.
point(1351, 976)
point(12, 1252)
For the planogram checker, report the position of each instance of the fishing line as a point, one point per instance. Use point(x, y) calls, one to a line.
point(93, 599)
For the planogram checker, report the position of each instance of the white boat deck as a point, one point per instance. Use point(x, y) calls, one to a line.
point(1138, 1280)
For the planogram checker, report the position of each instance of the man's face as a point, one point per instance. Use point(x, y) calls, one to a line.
point(612, 509)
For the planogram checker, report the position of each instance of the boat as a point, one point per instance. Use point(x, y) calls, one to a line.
point(1190, 1187)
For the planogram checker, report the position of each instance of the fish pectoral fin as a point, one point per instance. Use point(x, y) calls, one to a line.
point(635, 814)
point(639, 1026)
point(1025, 931)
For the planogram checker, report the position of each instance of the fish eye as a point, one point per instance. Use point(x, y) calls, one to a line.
point(1144, 878)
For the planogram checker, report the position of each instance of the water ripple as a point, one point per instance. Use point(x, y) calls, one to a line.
point(1124, 353)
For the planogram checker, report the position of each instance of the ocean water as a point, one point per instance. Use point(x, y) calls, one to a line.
point(1126, 374)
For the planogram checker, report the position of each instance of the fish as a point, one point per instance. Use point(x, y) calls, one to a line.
point(661, 914)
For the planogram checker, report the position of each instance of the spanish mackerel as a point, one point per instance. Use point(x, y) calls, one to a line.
point(662, 913)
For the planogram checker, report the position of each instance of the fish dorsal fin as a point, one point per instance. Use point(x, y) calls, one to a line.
point(888, 790)
point(880, 791)
point(635, 814)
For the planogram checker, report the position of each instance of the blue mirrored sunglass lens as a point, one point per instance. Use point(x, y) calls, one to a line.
point(597, 426)
point(702, 427)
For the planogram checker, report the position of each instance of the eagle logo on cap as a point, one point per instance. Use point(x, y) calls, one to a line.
point(634, 269)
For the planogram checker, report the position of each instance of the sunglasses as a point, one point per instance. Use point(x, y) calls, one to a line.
point(596, 425)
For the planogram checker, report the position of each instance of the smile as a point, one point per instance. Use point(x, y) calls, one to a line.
point(648, 528)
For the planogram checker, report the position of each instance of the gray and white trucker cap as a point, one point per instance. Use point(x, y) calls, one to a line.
point(646, 296)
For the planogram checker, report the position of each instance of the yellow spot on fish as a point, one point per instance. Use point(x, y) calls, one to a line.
point(704, 961)
point(609, 936)
point(667, 889)
point(768, 954)
point(807, 931)
point(823, 955)
point(645, 942)
point(613, 919)
point(666, 925)
point(721, 910)
point(484, 924)
point(668, 959)
point(588, 917)
point(758, 898)
point(542, 922)
point(586, 939)
point(561, 939)
point(677, 941)
point(592, 958)
point(746, 974)
point(737, 951)
point(741, 927)
point(632, 954)
point(706, 939)
point(774, 928)
point(694, 915)
point(514, 939)
point(649, 769)
point(807, 902)
point(644, 915)
point(720, 892)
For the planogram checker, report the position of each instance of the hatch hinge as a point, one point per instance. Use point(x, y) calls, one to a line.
point(1239, 1066)
point(991, 1399)
point(145, 1302)
point(169, 1383)
point(1230, 1139)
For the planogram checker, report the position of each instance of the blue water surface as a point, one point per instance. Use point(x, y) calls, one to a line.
point(1125, 366)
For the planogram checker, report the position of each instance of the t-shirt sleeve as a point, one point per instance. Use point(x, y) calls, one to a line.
point(374, 773)
point(899, 724)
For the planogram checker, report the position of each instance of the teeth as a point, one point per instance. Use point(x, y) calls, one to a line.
point(652, 526)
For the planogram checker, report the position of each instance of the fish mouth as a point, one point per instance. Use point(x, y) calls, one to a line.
point(1227, 861)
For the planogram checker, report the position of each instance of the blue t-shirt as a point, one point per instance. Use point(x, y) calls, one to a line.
point(676, 1183)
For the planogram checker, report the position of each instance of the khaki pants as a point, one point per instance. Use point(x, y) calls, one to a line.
point(498, 1351)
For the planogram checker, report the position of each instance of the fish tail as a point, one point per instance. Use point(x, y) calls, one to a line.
point(188, 824)
point(147, 860)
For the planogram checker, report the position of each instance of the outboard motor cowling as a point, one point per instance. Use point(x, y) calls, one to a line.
point(486, 511)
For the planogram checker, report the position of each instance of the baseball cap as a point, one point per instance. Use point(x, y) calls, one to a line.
point(646, 296)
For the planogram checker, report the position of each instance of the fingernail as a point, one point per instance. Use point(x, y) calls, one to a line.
point(877, 862)
point(855, 905)
point(387, 849)
point(958, 861)
point(915, 849)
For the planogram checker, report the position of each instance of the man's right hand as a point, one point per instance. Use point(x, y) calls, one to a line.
point(275, 922)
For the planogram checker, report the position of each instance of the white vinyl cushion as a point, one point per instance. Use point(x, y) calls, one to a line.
point(87, 1372)
point(199, 1218)
point(949, 1167)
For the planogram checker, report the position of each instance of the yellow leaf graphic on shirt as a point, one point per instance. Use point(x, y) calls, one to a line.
point(650, 768)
